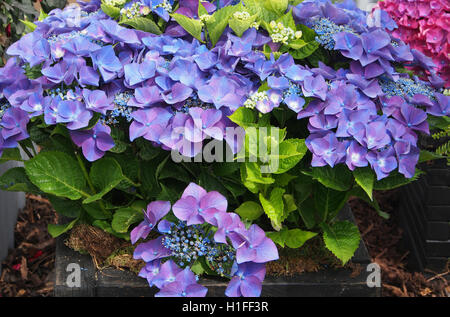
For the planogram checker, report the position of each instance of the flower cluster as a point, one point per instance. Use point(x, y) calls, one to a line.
point(424, 26)
point(283, 34)
point(202, 229)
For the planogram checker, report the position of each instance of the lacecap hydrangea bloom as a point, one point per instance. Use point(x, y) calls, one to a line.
point(199, 232)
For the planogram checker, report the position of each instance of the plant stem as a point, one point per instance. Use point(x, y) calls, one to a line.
point(89, 181)
point(24, 148)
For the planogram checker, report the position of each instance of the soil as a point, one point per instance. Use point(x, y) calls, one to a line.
point(383, 240)
point(28, 269)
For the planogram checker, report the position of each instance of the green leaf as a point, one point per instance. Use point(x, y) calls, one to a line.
point(143, 24)
point(42, 15)
point(106, 226)
point(338, 177)
point(219, 21)
point(308, 212)
point(293, 239)
point(10, 155)
point(250, 210)
point(16, 180)
point(30, 25)
point(253, 172)
point(243, 117)
point(291, 151)
point(342, 238)
point(328, 201)
point(96, 212)
point(111, 11)
point(279, 237)
point(395, 180)
point(57, 173)
point(57, 230)
point(239, 26)
point(289, 203)
point(274, 207)
point(124, 218)
point(360, 193)
point(105, 174)
point(276, 6)
point(296, 238)
point(305, 50)
point(365, 177)
point(67, 208)
point(428, 156)
point(192, 26)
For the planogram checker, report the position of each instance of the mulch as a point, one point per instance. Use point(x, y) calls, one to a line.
point(383, 239)
point(29, 268)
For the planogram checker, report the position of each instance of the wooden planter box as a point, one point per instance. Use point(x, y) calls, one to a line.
point(425, 217)
point(112, 282)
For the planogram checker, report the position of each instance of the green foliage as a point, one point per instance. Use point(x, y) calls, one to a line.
point(250, 210)
point(192, 26)
point(57, 173)
point(292, 238)
point(143, 24)
point(342, 238)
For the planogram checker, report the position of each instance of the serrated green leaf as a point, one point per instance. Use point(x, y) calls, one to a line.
point(338, 177)
point(30, 25)
point(65, 207)
point(57, 173)
point(192, 26)
point(239, 26)
point(426, 156)
point(96, 212)
point(111, 11)
point(216, 26)
point(105, 174)
point(274, 207)
point(395, 180)
point(342, 238)
point(296, 238)
point(304, 51)
point(143, 24)
point(250, 210)
point(243, 117)
point(328, 202)
point(365, 177)
point(124, 218)
point(291, 151)
point(10, 155)
point(57, 230)
point(16, 180)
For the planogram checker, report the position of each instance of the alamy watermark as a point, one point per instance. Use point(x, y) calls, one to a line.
point(374, 277)
point(260, 144)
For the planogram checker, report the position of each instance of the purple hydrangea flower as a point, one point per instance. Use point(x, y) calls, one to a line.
point(14, 126)
point(167, 274)
point(97, 100)
point(315, 87)
point(256, 246)
point(382, 162)
point(155, 211)
point(151, 250)
point(94, 142)
point(106, 61)
point(185, 286)
point(247, 280)
point(197, 206)
point(149, 123)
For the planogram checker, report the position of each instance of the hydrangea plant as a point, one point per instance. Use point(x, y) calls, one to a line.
point(153, 119)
